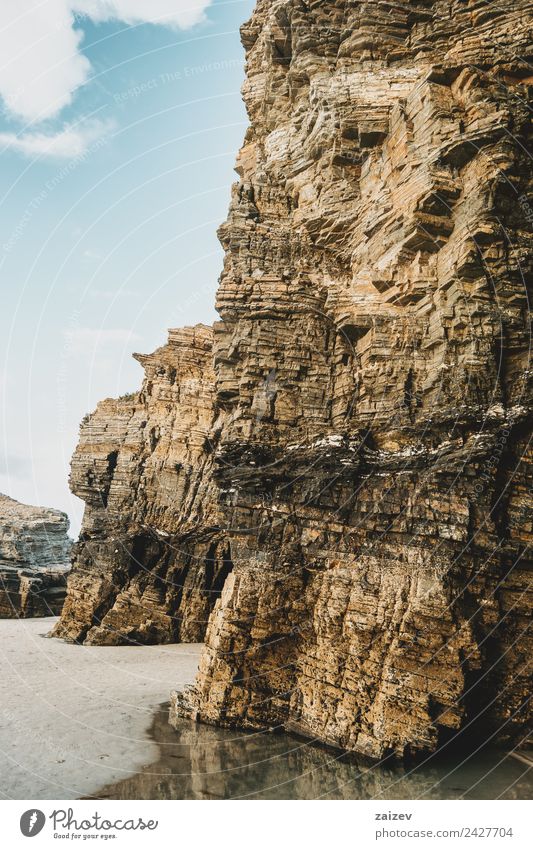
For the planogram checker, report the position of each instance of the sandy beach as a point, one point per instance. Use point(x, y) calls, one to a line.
point(75, 718)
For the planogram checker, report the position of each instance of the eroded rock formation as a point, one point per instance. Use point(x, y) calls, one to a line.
point(34, 560)
point(150, 562)
point(365, 467)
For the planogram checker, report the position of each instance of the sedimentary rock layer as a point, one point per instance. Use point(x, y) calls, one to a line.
point(34, 560)
point(365, 469)
point(373, 365)
point(150, 561)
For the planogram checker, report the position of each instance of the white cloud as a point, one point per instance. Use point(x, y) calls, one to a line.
point(40, 63)
point(68, 143)
point(177, 13)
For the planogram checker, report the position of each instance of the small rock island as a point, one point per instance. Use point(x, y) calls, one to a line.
point(34, 560)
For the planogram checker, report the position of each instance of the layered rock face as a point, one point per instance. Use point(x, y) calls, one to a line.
point(364, 474)
point(34, 560)
point(373, 365)
point(150, 561)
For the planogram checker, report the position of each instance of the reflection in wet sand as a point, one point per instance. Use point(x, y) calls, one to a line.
point(201, 762)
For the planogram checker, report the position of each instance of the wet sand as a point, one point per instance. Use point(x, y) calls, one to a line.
point(75, 718)
point(202, 762)
point(83, 721)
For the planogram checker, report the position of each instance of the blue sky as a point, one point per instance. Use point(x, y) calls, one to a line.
point(118, 145)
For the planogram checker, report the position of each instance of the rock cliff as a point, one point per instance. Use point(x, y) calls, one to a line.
point(34, 560)
point(150, 562)
point(363, 478)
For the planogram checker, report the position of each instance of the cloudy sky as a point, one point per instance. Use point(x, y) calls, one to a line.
point(120, 121)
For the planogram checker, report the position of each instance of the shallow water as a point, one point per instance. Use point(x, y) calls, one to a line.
point(201, 762)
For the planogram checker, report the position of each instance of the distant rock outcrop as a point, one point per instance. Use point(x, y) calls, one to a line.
point(34, 560)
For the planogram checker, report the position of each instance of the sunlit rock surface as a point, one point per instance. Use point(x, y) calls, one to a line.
point(150, 562)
